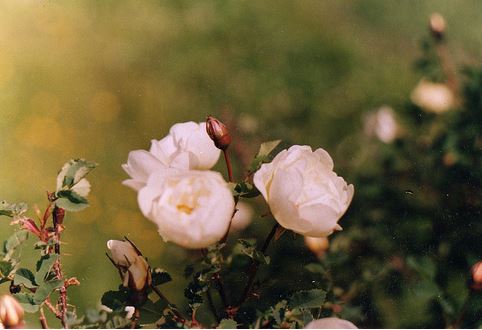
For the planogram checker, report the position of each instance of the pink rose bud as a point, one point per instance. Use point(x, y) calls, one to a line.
point(218, 132)
point(59, 214)
point(437, 26)
point(11, 313)
point(477, 276)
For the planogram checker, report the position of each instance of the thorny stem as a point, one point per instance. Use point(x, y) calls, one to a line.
point(254, 266)
point(42, 319)
point(58, 270)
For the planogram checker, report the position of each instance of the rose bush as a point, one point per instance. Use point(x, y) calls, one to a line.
point(303, 192)
point(187, 146)
point(190, 208)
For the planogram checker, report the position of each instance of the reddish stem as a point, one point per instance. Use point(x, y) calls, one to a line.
point(228, 165)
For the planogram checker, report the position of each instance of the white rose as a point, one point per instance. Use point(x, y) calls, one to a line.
point(330, 323)
point(191, 208)
point(242, 218)
point(433, 97)
point(187, 146)
point(382, 124)
point(303, 192)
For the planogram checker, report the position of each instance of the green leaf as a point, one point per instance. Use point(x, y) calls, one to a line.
point(264, 154)
point(25, 277)
point(308, 299)
point(44, 267)
point(151, 312)
point(5, 268)
point(423, 265)
point(13, 242)
point(70, 206)
point(245, 190)
point(72, 172)
point(227, 324)
point(115, 299)
point(160, 276)
point(28, 303)
point(12, 210)
point(45, 289)
point(248, 248)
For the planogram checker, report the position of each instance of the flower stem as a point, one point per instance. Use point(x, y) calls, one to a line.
point(58, 268)
point(228, 165)
point(135, 318)
point(254, 266)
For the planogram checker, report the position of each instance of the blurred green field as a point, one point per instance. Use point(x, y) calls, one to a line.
point(96, 79)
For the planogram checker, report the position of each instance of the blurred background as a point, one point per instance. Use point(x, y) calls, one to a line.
point(96, 79)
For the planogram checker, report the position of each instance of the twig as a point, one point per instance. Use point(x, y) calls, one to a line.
point(52, 308)
point(42, 319)
point(254, 266)
point(228, 165)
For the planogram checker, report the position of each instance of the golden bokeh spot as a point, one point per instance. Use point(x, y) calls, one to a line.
point(39, 131)
point(104, 107)
point(7, 69)
point(46, 103)
point(184, 209)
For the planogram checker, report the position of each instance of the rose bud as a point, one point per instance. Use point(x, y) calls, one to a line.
point(133, 268)
point(11, 313)
point(218, 132)
point(317, 245)
point(437, 26)
point(477, 276)
point(330, 323)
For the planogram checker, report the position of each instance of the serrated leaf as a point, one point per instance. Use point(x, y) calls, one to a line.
point(227, 324)
point(73, 172)
point(264, 154)
point(308, 299)
point(12, 210)
point(44, 267)
point(68, 205)
point(13, 242)
point(45, 289)
point(25, 277)
point(115, 299)
point(5, 268)
point(27, 302)
point(160, 276)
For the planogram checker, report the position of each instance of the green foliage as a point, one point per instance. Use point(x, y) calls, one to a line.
point(264, 155)
point(249, 248)
point(227, 324)
point(160, 277)
point(12, 210)
point(308, 299)
point(72, 187)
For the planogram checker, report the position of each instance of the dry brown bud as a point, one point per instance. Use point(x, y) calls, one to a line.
point(437, 25)
point(218, 132)
point(11, 313)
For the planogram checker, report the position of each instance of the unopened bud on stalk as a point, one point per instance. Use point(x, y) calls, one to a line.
point(477, 276)
point(218, 132)
point(135, 271)
point(437, 26)
point(11, 313)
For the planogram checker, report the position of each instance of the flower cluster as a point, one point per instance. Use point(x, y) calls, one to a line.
point(193, 206)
